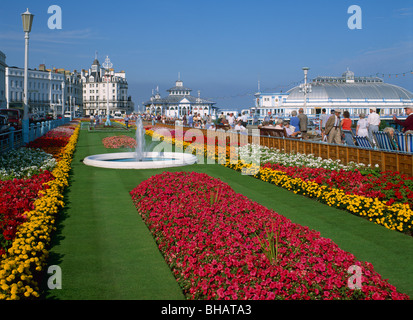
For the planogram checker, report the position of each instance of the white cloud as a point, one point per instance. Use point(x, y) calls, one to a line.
point(53, 36)
point(404, 11)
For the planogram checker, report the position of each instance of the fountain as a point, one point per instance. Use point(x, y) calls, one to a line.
point(140, 159)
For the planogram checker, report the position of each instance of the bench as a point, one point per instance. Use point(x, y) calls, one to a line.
point(274, 132)
point(225, 127)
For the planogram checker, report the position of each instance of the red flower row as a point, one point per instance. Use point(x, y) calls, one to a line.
point(17, 197)
point(389, 186)
point(218, 248)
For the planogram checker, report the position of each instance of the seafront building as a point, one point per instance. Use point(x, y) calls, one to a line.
point(179, 102)
point(50, 91)
point(95, 82)
point(354, 94)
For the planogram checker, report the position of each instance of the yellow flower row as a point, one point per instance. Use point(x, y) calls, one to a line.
point(21, 265)
point(395, 217)
point(131, 126)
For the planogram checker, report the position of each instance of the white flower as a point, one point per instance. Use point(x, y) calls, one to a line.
point(25, 162)
point(259, 154)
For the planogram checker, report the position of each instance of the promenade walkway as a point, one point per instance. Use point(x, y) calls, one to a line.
point(105, 250)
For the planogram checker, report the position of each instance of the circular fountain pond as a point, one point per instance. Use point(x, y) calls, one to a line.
point(140, 159)
point(151, 160)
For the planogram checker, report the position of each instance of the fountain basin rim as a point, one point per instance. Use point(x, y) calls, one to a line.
point(104, 160)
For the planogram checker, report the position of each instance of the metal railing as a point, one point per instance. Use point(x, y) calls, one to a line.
point(13, 139)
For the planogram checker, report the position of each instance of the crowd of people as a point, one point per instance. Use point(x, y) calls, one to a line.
point(331, 128)
point(334, 127)
point(204, 121)
point(297, 126)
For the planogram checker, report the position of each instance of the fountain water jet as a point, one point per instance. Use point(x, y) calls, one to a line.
point(140, 140)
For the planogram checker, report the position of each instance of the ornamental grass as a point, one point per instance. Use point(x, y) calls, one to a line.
point(219, 248)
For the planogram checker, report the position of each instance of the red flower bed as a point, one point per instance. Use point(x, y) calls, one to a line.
point(54, 141)
point(213, 246)
point(53, 146)
point(116, 142)
point(389, 186)
point(16, 197)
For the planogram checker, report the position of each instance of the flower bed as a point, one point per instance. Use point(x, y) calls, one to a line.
point(395, 216)
point(221, 249)
point(16, 197)
point(388, 187)
point(252, 153)
point(385, 198)
point(24, 163)
point(21, 265)
point(54, 141)
point(117, 142)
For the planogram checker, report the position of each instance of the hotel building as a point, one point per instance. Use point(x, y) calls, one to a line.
point(96, 81)
point(49, 91)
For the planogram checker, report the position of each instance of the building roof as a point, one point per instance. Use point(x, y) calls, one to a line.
point(176, 99)
point(178, 89)
point(350, 87)
point(340, 91)
point(179, 86)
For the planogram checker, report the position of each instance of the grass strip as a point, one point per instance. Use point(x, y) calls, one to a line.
point(106, 252)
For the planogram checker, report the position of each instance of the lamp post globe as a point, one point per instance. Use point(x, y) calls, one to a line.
point(27, 19)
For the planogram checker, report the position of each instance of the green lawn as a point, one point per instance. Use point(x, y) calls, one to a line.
point(105, 250)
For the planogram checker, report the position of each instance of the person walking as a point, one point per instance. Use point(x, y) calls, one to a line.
point(127, 121)
point(361, 129)
point(346, 128)
point(346, 122)
point(231, 120)
point(408, 123)
point(333, 128)
point(244, 119)
point(295, 121)
point(373, 121)
point(303, 123)
point(323, 120)
point(190, 120)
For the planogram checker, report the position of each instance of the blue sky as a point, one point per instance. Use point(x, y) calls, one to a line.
point(221, 48)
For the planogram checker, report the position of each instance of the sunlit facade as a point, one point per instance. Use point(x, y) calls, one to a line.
point(178, 103)
point(354, 94)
